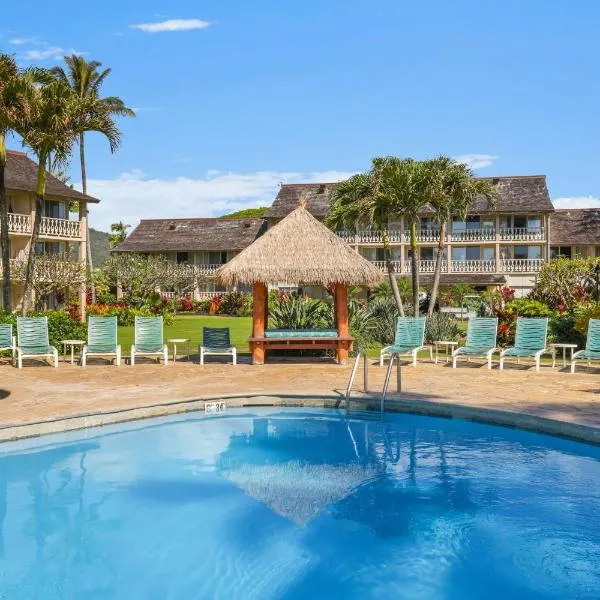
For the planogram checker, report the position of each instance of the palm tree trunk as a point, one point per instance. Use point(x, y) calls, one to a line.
point(4, 241)
point(438, 269)
point(39, 207)
point(414, 267)
point(391, 274)
point(90, 266)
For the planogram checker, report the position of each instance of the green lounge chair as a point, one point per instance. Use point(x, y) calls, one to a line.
point(530, 341)
point(149, 339)
point(410, 339)
point(481, 340)
point(7, 339)
point(592, 345)
point(102, 340)
point(32, 340)
point(216, 340)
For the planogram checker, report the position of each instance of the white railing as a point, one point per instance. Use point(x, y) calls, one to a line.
point(473, 266)
point(424, 235)
point(522, 234)
point(425, 266)
point(521, 265)
point(368, 236)
point(208, 295)
point(474, 235)
point(51, 227)
point(18, 223)
point(381, 264)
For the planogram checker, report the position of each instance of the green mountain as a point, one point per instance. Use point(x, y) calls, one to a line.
point(100, 246)
point(247, 213)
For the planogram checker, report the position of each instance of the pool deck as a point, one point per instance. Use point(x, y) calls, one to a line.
point(40, 399)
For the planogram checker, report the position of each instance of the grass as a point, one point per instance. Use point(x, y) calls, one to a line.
point(190, 326)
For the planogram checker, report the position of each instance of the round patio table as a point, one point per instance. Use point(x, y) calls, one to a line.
point(176, 341)
point(448, 345)
point(71, 343)
point(564, 347)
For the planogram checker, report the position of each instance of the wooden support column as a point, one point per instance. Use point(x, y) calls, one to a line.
point(341, 319)
point(259, 322)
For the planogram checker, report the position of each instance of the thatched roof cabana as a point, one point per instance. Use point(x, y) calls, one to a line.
point(299, 249)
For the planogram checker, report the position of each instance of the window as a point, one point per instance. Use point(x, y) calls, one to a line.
point(505, 222)
point(488, 223)
point(519, 221)
point(488, 253)
point(534, 252)
point(458, 225)
point(562, 251)
point(473, 222)
point(182, 258)
point(466, 253)
point(428, 224)
point(54, 209)
point(380, 253)
point(368, 253)
point(427, 253)
point(520, 252)
point(534, 223)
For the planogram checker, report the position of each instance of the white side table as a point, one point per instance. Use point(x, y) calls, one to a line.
point(176, 341)
point(449, 348)
point(564, 347)
point(71, 343)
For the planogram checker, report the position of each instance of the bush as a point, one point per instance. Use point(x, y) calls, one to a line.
point(61, 326)
point(441, 326)
point(185, 304)
point(583, 314)
point(203, 306)
point(561, 330)
point(297, 312)
point(385, 314)
point(236, 304)
point(126, 315)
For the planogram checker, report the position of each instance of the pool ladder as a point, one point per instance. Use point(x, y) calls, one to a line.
point(386, 382)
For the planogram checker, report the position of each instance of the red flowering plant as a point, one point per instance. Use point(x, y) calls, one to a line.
point(214, 304)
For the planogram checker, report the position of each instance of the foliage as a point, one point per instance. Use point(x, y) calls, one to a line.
point(363, 325)
point(236, 304)
point(61, 326)
point(185, 304)
point(118, 233)
point(296, 312)
point(519, 307)
point(247, 213)
point(203, 306)
point(441, 326)
point(384, 290)
point(583, 314)
point(126, 314)
point(561, 329)
point(563, 283)
point(385, 314)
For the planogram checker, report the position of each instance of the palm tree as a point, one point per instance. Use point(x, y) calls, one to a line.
point(50, 130)
point(16, 89)
point(357, 200)
point(404, 183)
point(86, 81)
point(451, 191)
point(118, 233)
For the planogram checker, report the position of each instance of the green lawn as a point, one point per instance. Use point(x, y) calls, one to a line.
point(190, 326)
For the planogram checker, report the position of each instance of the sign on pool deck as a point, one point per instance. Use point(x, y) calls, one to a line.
point(214, 408)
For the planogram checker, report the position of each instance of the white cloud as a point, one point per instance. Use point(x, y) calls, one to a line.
point(476, 161)
point(21, 41)
point(133, 195)
point(172, 25)
point(577, 202)
point(47, 51)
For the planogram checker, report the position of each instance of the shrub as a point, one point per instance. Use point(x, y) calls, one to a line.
point(235, 303)
point(185, 304)
point(61, 326)
point(297, 312)
point(561, 329)
point(203, 306)
point(385, 314)
point(583, 314)
point(441, 326)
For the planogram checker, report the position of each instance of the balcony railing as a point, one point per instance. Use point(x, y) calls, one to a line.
point(512, 265)
point(367, 236)
point(19, 223)
point(474, 235)
point(522, 234)
point(51, 227)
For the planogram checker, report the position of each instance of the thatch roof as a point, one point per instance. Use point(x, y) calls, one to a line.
point(189, 235)
point(575, 226)
point(21, 175)
point(517, 194)
point(299, 249)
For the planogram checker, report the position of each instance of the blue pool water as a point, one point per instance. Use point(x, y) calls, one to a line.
point(292, 503)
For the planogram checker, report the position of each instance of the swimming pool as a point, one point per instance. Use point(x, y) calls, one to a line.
point(299, 503)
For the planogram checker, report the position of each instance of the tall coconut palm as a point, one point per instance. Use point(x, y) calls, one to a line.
point(16, 88)
point(85, 79)
point(357, 200)
point(50, 130)
point(451, 192)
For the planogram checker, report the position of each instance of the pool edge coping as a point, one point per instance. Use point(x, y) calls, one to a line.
point(491, 416)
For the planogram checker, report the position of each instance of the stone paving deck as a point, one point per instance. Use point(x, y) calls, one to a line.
point(41, 393)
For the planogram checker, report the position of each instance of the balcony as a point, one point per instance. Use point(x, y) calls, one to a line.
point(367, 236)
point(49, 226)
point(473, 235)
point(523, 234)
point(188, 270)
point(512, 265)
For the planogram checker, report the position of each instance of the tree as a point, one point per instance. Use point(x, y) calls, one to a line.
point(451, 190)
point(118, 233)
point(357, 200)
point(85, 79)
point(16, 88)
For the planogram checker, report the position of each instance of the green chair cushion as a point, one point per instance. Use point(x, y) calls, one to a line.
point(301, 333)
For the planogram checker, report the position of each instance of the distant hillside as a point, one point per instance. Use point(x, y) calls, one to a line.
point(100, 246)
point(247, 213)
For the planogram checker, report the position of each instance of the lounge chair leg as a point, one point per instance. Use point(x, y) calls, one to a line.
point(489, 360)
point(454, 362)
point(381, 359)
point(572, 366)
point(234, 354)
point(502, 363)
point(132, 361)
point(166, 356)
point(414, 361)
point(537, 364)
point(56, 360)
point(201, 356)
point(20, 361)
point(118, 357)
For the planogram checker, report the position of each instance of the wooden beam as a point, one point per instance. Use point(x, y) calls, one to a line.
point(259, 322)
point(342, 321)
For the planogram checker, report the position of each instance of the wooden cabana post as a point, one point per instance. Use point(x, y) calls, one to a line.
point(301, 250)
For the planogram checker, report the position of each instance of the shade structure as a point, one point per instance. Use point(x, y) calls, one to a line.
point(301, 250)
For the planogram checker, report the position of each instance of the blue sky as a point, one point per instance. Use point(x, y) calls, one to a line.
point(235, 96)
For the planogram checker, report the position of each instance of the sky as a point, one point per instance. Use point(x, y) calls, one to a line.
point(234, 97)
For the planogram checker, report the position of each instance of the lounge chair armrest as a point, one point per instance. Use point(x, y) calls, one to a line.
point(578, 354)
point(457, 352)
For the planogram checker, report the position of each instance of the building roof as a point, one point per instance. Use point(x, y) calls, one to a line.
point(21, 175)
point(515, 194)
point(575, 226)
point(301, 250)
point(189, 235)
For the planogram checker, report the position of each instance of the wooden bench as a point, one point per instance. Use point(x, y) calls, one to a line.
point(259, 346)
